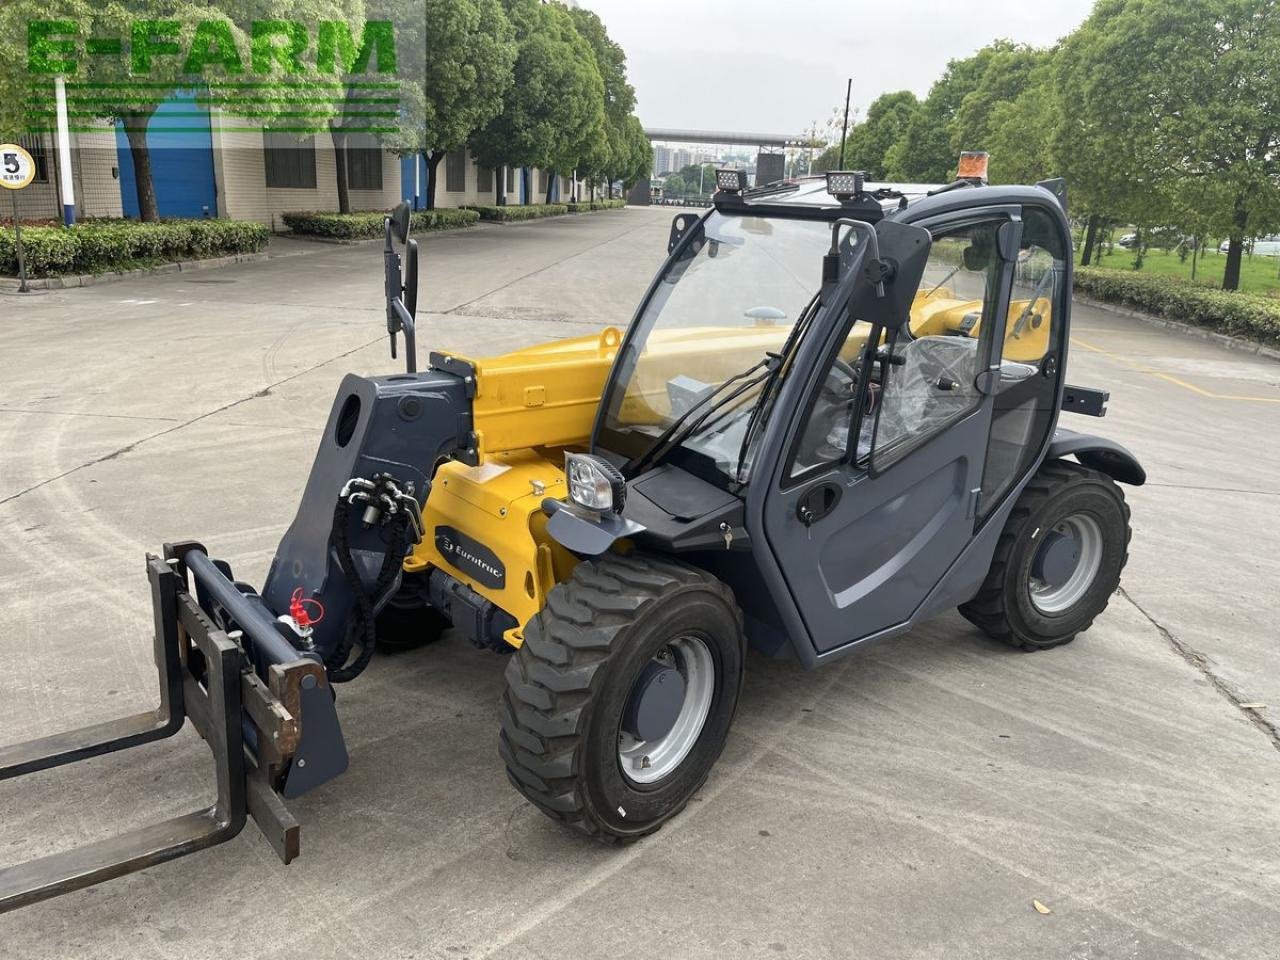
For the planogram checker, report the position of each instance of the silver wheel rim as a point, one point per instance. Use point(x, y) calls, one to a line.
point(1050, 599)
point(648, 761)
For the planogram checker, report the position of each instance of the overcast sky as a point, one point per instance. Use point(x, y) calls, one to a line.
point(775, 66)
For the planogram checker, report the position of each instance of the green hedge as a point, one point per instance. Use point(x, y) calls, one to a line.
point(368, 226)
point(511, 214)
point(106, 245)
point(1238, 314)
point(589, 205)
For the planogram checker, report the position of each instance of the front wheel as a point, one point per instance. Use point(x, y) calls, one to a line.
point(620, 699)
point(1058, 560)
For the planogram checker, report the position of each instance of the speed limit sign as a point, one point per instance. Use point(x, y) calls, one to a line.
point(17, 168)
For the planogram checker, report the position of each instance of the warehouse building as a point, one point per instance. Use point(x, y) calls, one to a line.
point(463, 182)
point(209, 166)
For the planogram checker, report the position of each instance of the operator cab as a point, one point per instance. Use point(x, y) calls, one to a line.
point(832, 379)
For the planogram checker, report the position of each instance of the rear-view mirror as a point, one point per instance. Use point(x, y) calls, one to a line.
point(977, 259)
point(400, 222)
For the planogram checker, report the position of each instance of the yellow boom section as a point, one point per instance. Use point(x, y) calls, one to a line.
point(543, 396)
point(943, 314)
point(529, 407)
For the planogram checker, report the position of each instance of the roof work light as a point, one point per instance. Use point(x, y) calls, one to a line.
point(845, 184)
point(731, 181)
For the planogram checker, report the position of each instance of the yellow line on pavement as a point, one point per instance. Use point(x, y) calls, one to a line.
point(1171, 379)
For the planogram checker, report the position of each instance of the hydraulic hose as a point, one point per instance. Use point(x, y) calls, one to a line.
point(361, 628)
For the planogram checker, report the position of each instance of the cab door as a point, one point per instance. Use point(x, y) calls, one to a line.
point(869, 511)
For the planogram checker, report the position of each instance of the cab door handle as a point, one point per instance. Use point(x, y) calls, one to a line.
point(817, 502)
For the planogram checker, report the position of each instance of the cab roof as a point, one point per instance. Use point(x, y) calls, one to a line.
point(811, 192)
point(808, 197)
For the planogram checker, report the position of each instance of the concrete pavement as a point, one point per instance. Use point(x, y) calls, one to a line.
point(907, 803)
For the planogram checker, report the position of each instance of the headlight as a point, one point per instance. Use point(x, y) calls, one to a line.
point(594, 482)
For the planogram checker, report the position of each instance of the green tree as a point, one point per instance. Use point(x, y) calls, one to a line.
point(457, 83)
point(351, 55)
point(1085, 152)
point(173, 46)
point(1004, 72)
point(615, 146)
point(1185, 98)
point(697, 178)
point(637, 162)
point(554, 113)
point(1020, 130)
point(869, 142)
point(674, 186)
point(927, 150)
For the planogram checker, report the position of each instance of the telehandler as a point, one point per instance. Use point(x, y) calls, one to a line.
point(833, 415)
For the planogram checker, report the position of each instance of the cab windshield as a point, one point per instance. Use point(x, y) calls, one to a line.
point(716, 316)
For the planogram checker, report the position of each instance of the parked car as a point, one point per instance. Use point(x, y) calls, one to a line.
point(1128, 240)
point(1259, 247)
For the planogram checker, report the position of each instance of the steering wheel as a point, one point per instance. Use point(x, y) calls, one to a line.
point(832, 411)
point(841, 382)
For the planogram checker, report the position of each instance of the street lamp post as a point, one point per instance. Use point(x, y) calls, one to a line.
point(844, 129)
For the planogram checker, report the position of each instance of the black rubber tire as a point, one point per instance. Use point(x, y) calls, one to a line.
point(407, 622)
point(568, 683)
point(1002, 607)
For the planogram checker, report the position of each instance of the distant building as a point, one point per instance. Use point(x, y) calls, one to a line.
point(662, 161)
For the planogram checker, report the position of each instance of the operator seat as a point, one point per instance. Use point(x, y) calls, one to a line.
point(936, 382)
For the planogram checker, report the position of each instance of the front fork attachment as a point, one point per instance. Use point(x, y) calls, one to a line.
point(205, 677)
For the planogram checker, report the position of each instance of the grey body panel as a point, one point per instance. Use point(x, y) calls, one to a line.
point(1098, 453)
point(863, 571)
point(585, 536)
point(868, 565)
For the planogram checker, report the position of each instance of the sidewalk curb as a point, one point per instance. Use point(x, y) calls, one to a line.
point(1186, 329)
point(12, 284)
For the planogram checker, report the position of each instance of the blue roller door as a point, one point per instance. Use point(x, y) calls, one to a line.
point(181, 148)
point(406, 179)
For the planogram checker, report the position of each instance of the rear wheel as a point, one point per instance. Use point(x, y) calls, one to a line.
point(620, 699)
point(1058, 560)
point(407, 620)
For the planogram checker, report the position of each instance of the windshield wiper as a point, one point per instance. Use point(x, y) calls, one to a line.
point(681, 427)
point(1020, 326)
point(759, 414)
point(953, 272)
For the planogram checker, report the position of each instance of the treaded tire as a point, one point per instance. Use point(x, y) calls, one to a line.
point(1003, 607)
point(569, 682)
point(407, 620)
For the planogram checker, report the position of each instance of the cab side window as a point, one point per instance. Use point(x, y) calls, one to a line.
point(1026, 402)
point(825, 438)
point(929, 380)
point(1028, 332)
